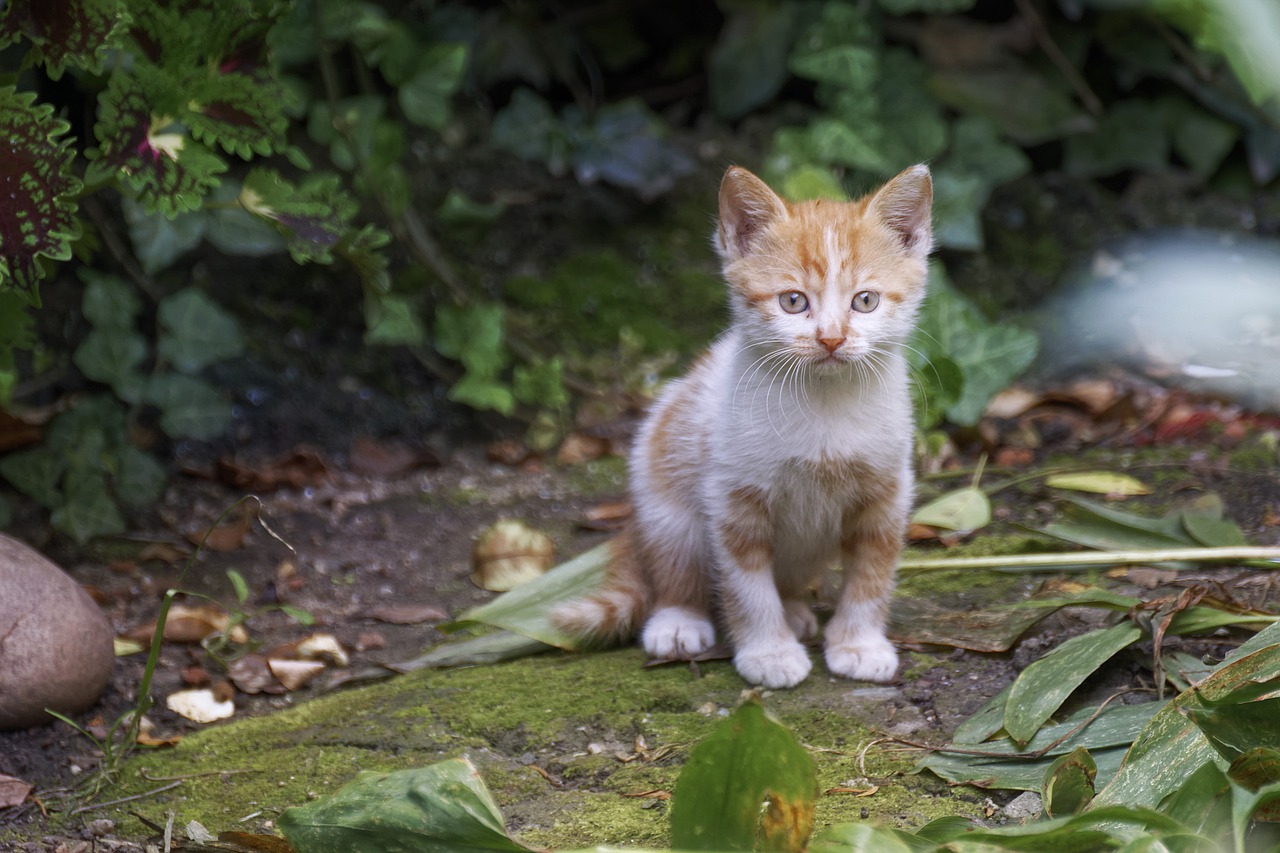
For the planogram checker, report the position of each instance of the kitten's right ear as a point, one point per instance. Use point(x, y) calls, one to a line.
point(747, 208)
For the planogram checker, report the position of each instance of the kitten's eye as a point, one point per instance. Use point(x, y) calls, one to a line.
point(793, 302)
point(866, 301)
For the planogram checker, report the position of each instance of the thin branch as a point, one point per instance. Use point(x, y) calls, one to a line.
point(1229, 554)
point(142, 796)
point(1091, 101)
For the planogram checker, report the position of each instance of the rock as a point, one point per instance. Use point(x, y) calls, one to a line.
point(55, 643)
point(1024, 807)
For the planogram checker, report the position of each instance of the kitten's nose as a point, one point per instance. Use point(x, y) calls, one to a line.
point(832, 344)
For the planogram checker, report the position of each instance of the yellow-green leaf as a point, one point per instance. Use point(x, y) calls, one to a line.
point(1099, 482)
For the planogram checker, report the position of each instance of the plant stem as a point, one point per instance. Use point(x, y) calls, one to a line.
point(1229, 554)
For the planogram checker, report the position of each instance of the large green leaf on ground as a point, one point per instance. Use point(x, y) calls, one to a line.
point(443, 807)
point(1043, 686)
point(748, 786)
point(992, 629)
point(1171, 748)
point(524, 609)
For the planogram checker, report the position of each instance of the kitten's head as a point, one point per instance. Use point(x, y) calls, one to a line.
point(826, 284)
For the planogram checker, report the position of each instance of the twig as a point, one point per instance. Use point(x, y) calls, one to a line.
point(123, 256)
point(1228, 554)
point(1091, 101)
point(183, 777)
point(110, 803)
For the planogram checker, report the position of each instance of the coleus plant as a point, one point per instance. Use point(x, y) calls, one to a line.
point(183, 87)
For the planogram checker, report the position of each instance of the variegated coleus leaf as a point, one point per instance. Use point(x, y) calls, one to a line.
point(64, 32)
point(39, 193)
point(142, 143)
point(314, 217)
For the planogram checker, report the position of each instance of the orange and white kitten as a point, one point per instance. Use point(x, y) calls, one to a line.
point(786, 448)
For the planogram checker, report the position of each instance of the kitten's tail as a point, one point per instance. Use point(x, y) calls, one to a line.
point(613, 614)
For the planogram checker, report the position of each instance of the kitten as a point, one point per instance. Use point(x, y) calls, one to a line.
point(787, 446)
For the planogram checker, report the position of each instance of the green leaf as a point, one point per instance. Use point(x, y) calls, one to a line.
point(109, 301)
point(991, 629)
point(64, 33)
point(140, 479)
point(189, 407)
point(393, 321)
point(866, 837)
point(989, 354)
point(810, 182)
point(298, 614)
point(1212, 532)
point(159, 241)
point(748, 64)
point(425, 97)
point(475, 651)
point(957, 207)
point(442, 807)
point(932, 7)
point(89, 510)
point(1201, 139)
point(965, 510)
point(748, 780)
point(37, 474)
point(1068, 785)
point(524, 609)
point(43, 191)
point(111, 356)
point(196, 332)
point(1098, 482)
point(1023, 104)
point(1043, 686)
point(1096, 526)
point(481, 393)
point(1199, 804)
point(1237, 723)
point(541, 384)
point(239, 585)
point(1132, 134)
point(1255, 768)
point(1171, 748)
point(313, 216)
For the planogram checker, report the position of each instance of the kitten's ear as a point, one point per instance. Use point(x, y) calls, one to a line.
point(747, 208)
point(905, 204)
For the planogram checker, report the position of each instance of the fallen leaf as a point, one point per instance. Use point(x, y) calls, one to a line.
point(1012, 402)
point(509, 554)
point(196, 676)
point(165, 552)
point(227, 536)
point(250, 841)
point(407, 614)
point(296, 469)
point(250, 674)
point(13, 791)
point(125, 646)
point(191, 625)
point(656, 794)
point(200, 706)
point(387, 458)
point(607, 516)
point(148, 739)
point(509, 451)
point(966, 510)
point(369, 641)
point(295, 674)
point(857, 792)
point(1099, 482)
point(579, 448)
point(322, 647)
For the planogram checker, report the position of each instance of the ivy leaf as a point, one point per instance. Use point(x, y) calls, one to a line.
point(157, 240)
point(189, 408)
point(748, 64)
point(111, 355)
point(196, 332)
point(39, 215)
point(1133, 134)
point(89, 509)
point(424, 98)
point(141, 145)
point(393, 321)
point(1023, 104)
point(36, 474)
point(109, 301)
point(140, 479)
point(65, 32)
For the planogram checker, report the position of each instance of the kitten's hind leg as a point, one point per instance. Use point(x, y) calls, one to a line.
point(677, 633)
point(800, 618)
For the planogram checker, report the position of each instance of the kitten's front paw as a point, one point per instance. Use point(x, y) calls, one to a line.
point(773, 665)
point(869, 660)
point(800, 618)
point(674, 633)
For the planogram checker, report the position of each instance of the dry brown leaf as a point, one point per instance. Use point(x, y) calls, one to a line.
point(369, 641)
point(509, 451)
point(387, 458)
point(407, 614)
point(322, 647)
point(227, 536)
point(196, 676)
point(1012, 402)
point(165, 552)
point(655, 794)
point(190, 625)
point(508, 554)
point(857, 792)
point(13, 791)
point(148, 739)
point(296, 469)
point(16, 432)
point(295, 674)
point(250, 842)
point(200, 706)
point(250, 674)
point(578, 448)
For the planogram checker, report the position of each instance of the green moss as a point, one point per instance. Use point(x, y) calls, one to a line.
point(606, 475)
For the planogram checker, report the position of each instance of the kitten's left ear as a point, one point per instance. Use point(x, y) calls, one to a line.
point(905, 204)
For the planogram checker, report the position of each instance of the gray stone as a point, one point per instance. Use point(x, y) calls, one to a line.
point(1024, 807)
point(55, 643)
